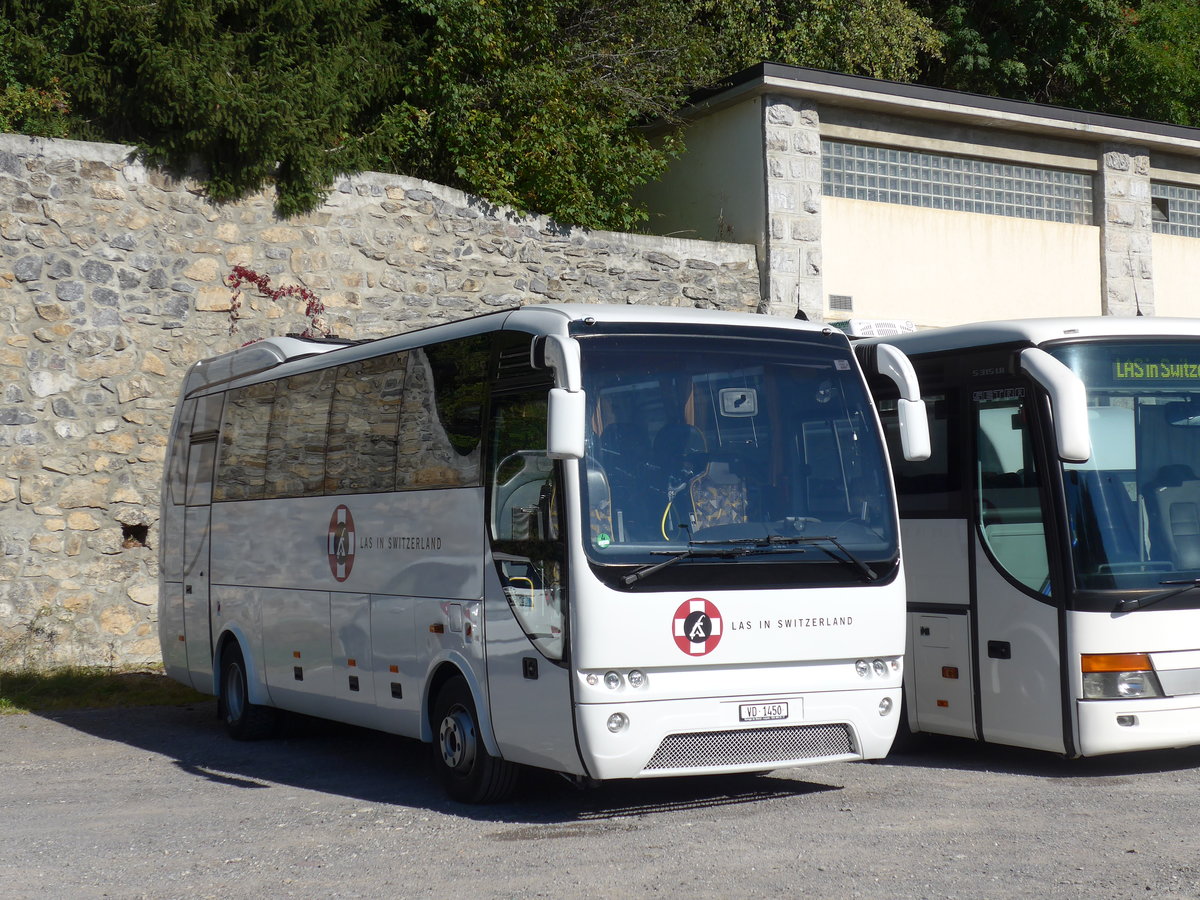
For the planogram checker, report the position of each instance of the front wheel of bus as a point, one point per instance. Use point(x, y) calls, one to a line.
point(468, 772)
point(245, 721)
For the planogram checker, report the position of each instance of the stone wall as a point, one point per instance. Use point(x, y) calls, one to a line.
point(1123, 212)
point(112, 284)
point(792, 143)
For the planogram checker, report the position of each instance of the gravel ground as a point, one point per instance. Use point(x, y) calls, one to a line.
point(158, 803)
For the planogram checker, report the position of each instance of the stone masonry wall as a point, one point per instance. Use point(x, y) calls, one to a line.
point(112, 284)
point(791, 127)
point(1126, 231)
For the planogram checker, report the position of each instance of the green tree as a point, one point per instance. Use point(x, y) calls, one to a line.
point(253, 92)
point(33, 38)
point(1139, 57)
point(879, 38)
point(535, 104)
point(1038, 50)
point(1156, 67)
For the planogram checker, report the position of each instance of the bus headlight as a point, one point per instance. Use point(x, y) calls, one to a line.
point(877, 668)
point(612, 680)
point(1118, 676)
point(618, 722)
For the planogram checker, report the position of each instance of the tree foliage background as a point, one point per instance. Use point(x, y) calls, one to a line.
point(536, 104)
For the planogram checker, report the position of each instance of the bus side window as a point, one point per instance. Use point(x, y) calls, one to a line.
point(296, 444)
point(364, 422)
point(242, 463)
point(1010, 510)
point(928, 487)
point(525, 522)
point(177, 464)
point(441, 425)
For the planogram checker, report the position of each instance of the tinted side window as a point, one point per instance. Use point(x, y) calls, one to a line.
point(296, 446)
point(929, 487)
point(177, 462)
point(364, 425)
point(443, 410)
point(1009, 503)
point(241, 468)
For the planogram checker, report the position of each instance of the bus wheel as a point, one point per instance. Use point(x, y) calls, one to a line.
point(468, 772)
point(245, 721)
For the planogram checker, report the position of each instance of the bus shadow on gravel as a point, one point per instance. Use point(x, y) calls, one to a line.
point(375, 767)
point(940, 752)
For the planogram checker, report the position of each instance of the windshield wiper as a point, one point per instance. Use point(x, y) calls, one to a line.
point(738, 547)
point(1132, 603)
point(691, 552)
point(849, 558)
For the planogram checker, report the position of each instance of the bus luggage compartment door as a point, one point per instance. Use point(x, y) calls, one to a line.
point(941, 660)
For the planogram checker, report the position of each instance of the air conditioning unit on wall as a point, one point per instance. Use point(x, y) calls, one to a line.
point(875, 327)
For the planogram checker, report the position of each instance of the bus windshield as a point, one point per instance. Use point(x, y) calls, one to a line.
point(1134, 507)
point(733, 452)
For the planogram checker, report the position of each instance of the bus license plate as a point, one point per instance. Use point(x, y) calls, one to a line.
point(762, 712)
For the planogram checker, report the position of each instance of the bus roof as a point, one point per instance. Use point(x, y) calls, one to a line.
point(1037, 331)
point(539, 315)
point(270, 353)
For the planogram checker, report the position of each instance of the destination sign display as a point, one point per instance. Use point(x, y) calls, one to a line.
point(1132, 365)
point(1139, 368)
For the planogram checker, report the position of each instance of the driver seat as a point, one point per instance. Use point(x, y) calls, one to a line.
point(718, 497)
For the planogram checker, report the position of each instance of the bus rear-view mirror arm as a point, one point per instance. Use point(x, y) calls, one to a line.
point(910, 408)
point(1068, 403)
point(566, 410)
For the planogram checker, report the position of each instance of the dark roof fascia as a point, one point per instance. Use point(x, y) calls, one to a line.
point(862, 91)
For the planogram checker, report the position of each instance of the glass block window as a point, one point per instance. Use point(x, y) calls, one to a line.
point(888, 175)
point(1176, 209)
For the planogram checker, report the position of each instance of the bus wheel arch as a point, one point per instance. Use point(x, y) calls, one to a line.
point(468, 771)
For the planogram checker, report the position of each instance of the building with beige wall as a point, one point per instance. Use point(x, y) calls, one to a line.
point(870, 199)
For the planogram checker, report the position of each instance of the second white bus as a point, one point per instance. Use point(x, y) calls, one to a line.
point(612, 542)
point(1053, 536)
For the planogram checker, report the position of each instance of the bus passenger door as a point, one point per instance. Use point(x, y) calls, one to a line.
point(197, 627)
point(1018, 630)
point(525, 592)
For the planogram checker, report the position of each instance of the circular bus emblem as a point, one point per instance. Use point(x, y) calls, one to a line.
point(697, 626)
point(341, 543)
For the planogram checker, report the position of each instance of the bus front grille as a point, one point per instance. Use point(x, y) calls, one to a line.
point(705, 749)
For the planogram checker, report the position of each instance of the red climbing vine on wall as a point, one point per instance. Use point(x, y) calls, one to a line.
point(313, 307)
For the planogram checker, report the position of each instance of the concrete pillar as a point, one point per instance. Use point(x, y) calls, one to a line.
point(1126, 232)
point(792, 253)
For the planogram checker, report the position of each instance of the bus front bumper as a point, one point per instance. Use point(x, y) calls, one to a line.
point(1118, 726)
point(658, 738)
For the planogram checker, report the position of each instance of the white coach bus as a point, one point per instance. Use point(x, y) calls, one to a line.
point(1052, 538)
point(612, 542)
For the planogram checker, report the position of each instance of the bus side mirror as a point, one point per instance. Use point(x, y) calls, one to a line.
point(566, 411)
point(914, 429)
point(566, 420)
point(1068, 403)
point(910, 408)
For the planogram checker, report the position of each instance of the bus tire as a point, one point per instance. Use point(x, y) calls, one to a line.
point(467, 771)
point(245, 721)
